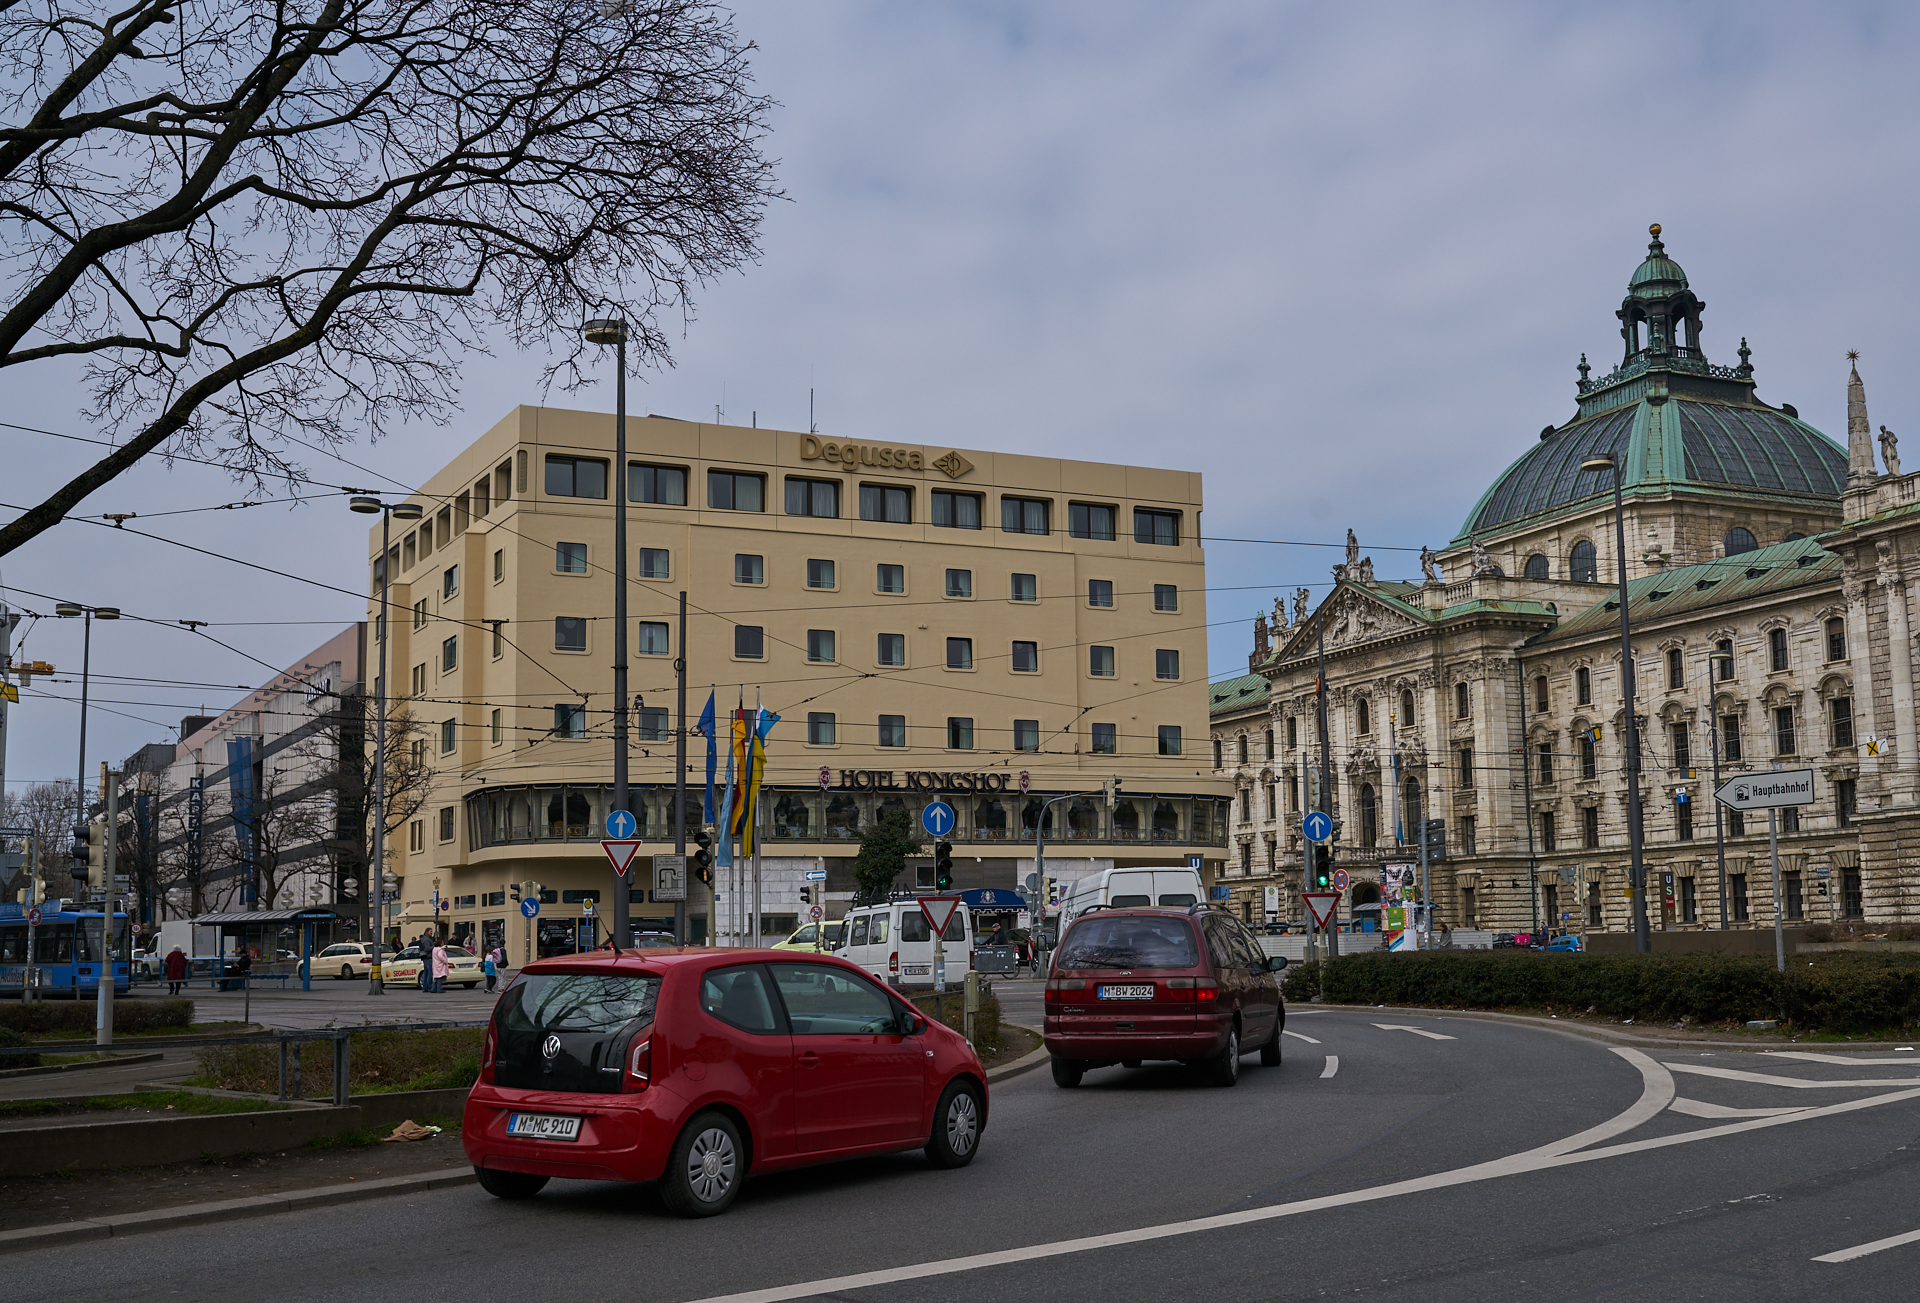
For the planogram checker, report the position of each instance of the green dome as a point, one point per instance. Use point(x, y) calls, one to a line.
point(1659, 275)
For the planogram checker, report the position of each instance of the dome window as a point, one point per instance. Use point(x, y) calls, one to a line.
point(1740, 540)
point(1537, 566)
point(1581, 564)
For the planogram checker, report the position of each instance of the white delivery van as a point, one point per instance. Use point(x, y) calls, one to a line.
point(894, 942)
point(1172, 886)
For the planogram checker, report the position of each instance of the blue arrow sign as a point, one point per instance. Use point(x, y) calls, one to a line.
point(1318, 825)
point(937, 818)
point(529, 907)
point(621, 825)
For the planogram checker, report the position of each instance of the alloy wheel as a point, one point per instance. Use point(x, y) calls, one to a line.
point(963, 1124)
point(711, 1163)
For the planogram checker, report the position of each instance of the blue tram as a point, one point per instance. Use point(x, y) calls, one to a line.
point(67, 950)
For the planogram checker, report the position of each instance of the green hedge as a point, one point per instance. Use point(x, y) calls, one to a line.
point(1841, 993)
point(9, 1039)
point(78, 1015)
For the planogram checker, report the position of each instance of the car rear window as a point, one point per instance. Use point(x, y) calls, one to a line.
point(1177, 900)
point(1128, 902)
point(1129, 943)
point(568, 1031)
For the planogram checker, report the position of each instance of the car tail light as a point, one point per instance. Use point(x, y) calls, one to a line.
point(640, 1066)
point(1058, 986)
point(1203, 988)
point(486, 1057)
point(893, 962)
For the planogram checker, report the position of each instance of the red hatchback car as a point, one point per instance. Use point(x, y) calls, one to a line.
point(696, 1067)
point(1134, 984)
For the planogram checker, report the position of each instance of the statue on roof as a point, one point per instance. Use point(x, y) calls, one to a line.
point(1890, 450)
point(1482, 559)
point(1353, 550)
point(1366, 570)
point(1302, 603)
point(1279, 612)
point(1429, 564)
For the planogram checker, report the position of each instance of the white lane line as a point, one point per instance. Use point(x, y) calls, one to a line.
point(1417, 1031)
point(1797, 1083)
point(1298, 1037)
point(1862, 1250)
point(1848, 1059)
point(1333, 1066)
point(1701, 1109)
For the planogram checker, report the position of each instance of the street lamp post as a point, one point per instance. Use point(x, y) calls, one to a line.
point(103, 984)
point(612, 330)
point(373, 890)
point(1636, 833)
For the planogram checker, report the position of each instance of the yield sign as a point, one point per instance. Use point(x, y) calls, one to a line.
point(939, 911)
point(1320, 905)
point(621, 853)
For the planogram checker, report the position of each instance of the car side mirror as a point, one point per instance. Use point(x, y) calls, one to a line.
point(1276, 963)
point(912, 1024)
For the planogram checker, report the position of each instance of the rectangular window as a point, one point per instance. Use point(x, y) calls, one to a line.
point(1840, 712)
point(1729, 737)
point(1836, 639)
point(749, 642)
point(569, 633)
point(1026, 658)
point(499, 638)
point(1689, 902)
point(1100, 593)
point(653, 638)
point(1843, 799)
point(1025, 588)
point(890, 578)
point(570, 558)
point(1852, 903)
point(654, 563)
point(407, 551)
point(1590, 827)
point(1736, 822)
point(1166, 597)
point(653, 724)
point(1583, 686)
point(1783, 732)
point(819, 573)
point(576, 477)
point(1468, 826)
point(1466, 766)
point(893, 730)
point(888, 503)
point(736, 491)
point(450, 582)
point(1293, 732)
point(1723, 659)
point(1546, 830)
point(1090, 520)
point(956, 510)
point(959, 583)
point(813, 497)
point(959, 734)
point(820, 648)
point(1790, 818)
point(820, 729)
point(495, 732)
point(1166, 663)
point(1737, 882)
point(1777, 650)
point(499, 564)
point(665, 486)
point(1162, 527)
point(420, 614)
point(959, 653)
point(1683, 819)
point(1169, 739)
point(1025, 515)
point(1026, 735)
point(449, 654)
point(420, 679)
point(1100, 662)
point(569, 720)
point(1545, 752)
point(1796, 903)
point(448, 729)
point(1681, 737)
point(1462, 701)
point(1104, 741)
point(1676, 668)
point(749, 568)
point(446, 823)
point(893, 649)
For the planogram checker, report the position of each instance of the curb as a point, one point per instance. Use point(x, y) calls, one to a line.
point(1025, 1063)
point(225, 1210)
point(114, 1061)
point(1578, 1028)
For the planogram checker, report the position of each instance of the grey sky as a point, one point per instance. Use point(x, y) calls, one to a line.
point(1341, 258)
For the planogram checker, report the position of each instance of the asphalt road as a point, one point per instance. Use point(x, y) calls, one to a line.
point(1500, 1161)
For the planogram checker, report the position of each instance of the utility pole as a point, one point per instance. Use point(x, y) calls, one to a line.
point(680, 784)
point(613, 330)
point(1526, 796)
point(7, 620)
point(1326, 756)
point(33, 901)
point(103, 1003)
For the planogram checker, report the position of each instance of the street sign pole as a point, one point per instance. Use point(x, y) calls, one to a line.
point(1779, 928)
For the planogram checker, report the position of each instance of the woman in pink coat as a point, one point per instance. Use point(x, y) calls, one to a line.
point(440, 967)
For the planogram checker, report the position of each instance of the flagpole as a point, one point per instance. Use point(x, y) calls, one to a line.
point(751, 813)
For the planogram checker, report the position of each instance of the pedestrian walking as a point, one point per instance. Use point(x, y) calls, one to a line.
point(492, 971)
point(440, 968)
point(176, 969)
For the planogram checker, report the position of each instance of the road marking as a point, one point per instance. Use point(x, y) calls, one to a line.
point(1701, 1109)
point(1417, 1031)
point(1657, 1093)
point(1765, 1079)
point(1333, 1066)
point(1848, 1059)
point(1862, 1250)
point(1298, 1037)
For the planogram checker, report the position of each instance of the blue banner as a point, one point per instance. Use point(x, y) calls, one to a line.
point(241, 790)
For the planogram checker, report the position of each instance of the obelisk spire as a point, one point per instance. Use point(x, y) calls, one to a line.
point(1859, 432)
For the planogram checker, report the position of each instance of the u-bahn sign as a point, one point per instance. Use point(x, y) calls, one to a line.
point(1767, 790)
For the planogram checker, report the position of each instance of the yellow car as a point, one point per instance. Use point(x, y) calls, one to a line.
point(463, 966)
point(802, 939)
point(348, 959)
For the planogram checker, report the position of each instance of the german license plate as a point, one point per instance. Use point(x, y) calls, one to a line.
point(1139, 992)
point(919, 970)
point(543, 1126)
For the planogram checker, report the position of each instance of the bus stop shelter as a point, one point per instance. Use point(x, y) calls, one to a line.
point(262, 928)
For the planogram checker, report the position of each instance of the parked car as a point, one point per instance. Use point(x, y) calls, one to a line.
point(653, 940)
point(463, 967)
point(1565, 943)
point(802, 938)
point(1129, 985)
point(894, 942)
point(345, 960)
point(699, 1068)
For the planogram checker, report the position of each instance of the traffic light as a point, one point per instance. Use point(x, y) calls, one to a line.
point(513, 889)
point(703, 856)
point(1322, 868)
point(82, 851)
point(943, 866)
point(1112, 790)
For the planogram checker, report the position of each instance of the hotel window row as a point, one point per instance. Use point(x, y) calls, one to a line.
point(823, 729)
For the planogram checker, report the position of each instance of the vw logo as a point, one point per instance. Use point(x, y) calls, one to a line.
point(550, 1047)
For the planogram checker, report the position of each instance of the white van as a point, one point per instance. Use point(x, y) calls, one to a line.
point(1171, 886)
point(894, 942)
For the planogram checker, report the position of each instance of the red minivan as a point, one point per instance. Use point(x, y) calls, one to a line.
point(697, 1067)
point(1128, 985)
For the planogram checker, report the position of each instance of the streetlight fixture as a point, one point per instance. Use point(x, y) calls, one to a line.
point(612, 330)
point(373, 898)
point(1636, 834)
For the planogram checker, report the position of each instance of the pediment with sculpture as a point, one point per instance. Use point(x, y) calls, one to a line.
point(1351, 617)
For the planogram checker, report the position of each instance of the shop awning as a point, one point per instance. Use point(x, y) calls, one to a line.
point(992, 899)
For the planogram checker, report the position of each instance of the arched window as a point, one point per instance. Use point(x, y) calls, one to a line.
point(1363, 716)
point(1406, 708)
point(1537, 567)
point(1541, 697)
point(1583, 686)
point(1676, 668)
point(1242, 745)
point(1777, 649)
point(1836, 639)
point(1740, 540)
point(1462, 706)
point(1412, 795)
point(1581, 565)
point(1269, 744)
point(1369, 816)
point(1794, 537)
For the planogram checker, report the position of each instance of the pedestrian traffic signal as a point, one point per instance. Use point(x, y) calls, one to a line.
point(703, 855)
point(514, 891)
point(1322, 868)
point(943, 866)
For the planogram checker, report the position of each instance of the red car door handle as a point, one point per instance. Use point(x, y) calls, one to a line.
point(809, 1059)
